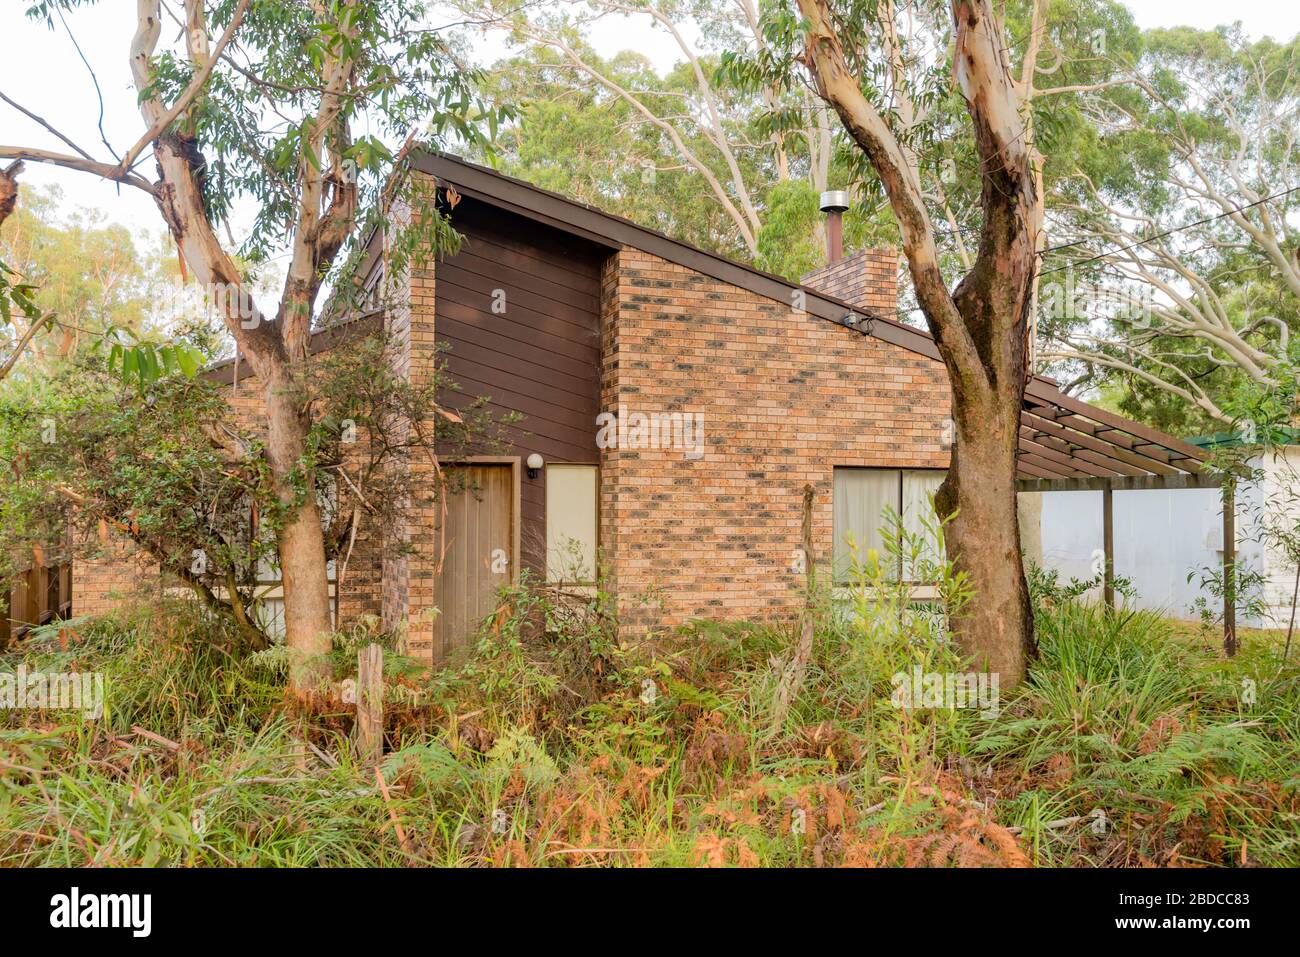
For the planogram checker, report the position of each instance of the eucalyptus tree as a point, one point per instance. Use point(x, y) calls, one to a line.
point(93, 283)
point(578, 138)
point(1179, 272)
point(945, 106)
point(293, 108)
point(18, 294)
point(691, 128)
point(982, 327)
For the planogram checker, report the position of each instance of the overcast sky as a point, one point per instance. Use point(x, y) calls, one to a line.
point(42, 71)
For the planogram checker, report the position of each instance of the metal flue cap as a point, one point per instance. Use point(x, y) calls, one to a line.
point(835, 201)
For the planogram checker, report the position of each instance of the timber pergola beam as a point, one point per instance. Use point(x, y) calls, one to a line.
point(1099, 432)
point(1121, 483)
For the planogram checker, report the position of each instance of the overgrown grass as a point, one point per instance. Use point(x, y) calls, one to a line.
point(1191, 758)
point(1130, 743)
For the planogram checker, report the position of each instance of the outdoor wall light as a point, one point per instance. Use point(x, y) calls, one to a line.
point(535, 463)
point(863, 324)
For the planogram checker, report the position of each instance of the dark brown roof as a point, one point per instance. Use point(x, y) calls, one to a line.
point(533, 202)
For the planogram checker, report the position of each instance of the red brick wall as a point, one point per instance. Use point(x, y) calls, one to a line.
point(867, 278)
point(395, 577)
point(785, 398)
point(610, 492)
point(407, 584)
point(108, 573)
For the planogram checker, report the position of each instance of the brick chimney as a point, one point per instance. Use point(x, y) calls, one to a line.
point(867, 279)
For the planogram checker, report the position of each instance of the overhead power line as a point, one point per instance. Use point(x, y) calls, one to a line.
point(1120, 249)
point(1151, 239)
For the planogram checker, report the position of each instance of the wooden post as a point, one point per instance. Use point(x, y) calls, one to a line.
point(18, 603)
point(370, 703)
point(1108, 542)
point(791, 675)
point(6, 591)
point(35, 594)
point(1229, 567)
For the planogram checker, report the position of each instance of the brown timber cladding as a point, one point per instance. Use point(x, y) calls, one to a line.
point(517, 322)
point(33, 597)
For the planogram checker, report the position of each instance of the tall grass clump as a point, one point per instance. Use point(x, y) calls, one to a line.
point(1171, 753)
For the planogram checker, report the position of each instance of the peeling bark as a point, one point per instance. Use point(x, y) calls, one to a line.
point(9, 188)
point(982, 327)
point(273, 348)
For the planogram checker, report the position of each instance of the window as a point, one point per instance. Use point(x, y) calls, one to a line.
point(268, 609)
point(572, 499)
point(862, 500)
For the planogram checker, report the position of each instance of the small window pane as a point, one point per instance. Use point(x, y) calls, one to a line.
point(572, 497)
point(860, 497)
point(919, 517)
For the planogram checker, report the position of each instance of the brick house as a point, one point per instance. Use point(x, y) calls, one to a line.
point(674, 405)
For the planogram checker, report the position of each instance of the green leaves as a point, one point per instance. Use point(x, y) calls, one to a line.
point(369, 154)
point(787, 242)
point(16, 297)
point(146, 363)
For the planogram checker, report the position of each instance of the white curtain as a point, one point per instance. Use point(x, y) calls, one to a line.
point(919, 486)
point(860, 499)
point(572, 503)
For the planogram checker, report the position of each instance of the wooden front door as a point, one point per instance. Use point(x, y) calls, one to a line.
point(480, 553)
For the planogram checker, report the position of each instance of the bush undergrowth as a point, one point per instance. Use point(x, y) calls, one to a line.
point(557, 742)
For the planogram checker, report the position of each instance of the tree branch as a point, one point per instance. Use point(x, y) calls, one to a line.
point(196, 84)
point(836, 84)
point(22, 344)
point(108, 171)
